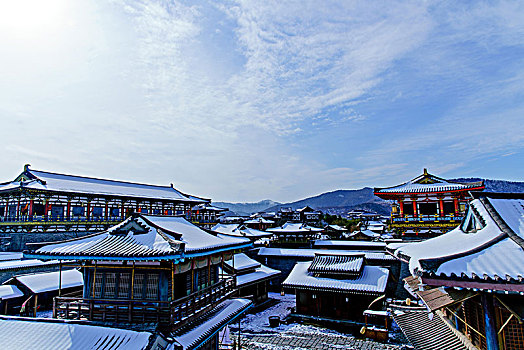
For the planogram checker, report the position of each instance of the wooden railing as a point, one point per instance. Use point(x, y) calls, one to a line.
point(170, 313)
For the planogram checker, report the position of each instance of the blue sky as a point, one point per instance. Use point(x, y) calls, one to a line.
point(246, 100)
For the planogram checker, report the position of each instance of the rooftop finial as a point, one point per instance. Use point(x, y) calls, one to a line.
point(26, 167)
point(425, 171)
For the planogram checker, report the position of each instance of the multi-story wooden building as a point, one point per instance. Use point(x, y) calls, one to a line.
point(427, 205)
point(472, 277)
point(43, 202)
point(160, 272)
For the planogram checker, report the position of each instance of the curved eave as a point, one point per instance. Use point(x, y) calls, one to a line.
point(41, 256)
point(103, 195)
point(403, 193)
point(203, 252)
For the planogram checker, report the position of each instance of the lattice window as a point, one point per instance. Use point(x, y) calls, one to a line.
point(188, 283)
point(152, 287)
point(123, 285)
point(99, 279)
point(110, 285)
point(513, 333)
point(138, 286)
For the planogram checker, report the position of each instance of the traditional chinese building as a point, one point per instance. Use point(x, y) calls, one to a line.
point(336, 287)
point(155, 271)
point(294, 234)
point(427, 205)
point(206, 215)
point(472, 277)
point(40, 201)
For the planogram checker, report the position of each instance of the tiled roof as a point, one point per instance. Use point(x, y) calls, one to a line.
point(336, 264)
point(142, 237)
point(20, 264)
point(23, 333)
point(348, 244)
point(429, 183)
point(240, 231)
point(42, 180)
point(372, 280)
point(426, 333)
point(204, 327)
point(240, 262)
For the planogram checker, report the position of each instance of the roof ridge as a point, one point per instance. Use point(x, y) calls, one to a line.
point(501, 223)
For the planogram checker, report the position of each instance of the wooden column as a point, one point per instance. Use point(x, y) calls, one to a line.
point(415, 211)
point(68, 209)
point(36, 305)
point(6, 208)
point(93, 283)
point(441, 207)
point(133, 281)
point(401, 206)
point(489, 321)
point(123, 213)
point(88, 214)
point(172, 281)
point(60, 278)
point(456, 203)
point(107, 211)
point(18, 208)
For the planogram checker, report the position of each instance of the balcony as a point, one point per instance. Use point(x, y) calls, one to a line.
point(169, 313)
point(422, 218)
point(58, 220)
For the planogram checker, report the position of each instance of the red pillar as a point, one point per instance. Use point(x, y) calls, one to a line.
point(31, 201)
point(123, 210)
point(401, 206)
point(88, 214)
point(107, 211)
point(68, 214)
point(415, 211)
point(456, 203)
point(441, 206)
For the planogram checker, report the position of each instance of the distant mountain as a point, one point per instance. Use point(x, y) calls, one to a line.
point(497, 185)
point(246, 208)
point(341, 201)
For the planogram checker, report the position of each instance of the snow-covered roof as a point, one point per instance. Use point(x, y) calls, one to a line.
point(195, 239)
point(49, 281)
point(310, 253)
point(4, 256)
point(142, 237)
point(292, 227)
point(367, 233)
point(259, 220)
point(337, 227)
point(429, 183)
point(349, 244)
point(337, 264)
point(25, 333)
point(241, 262)
point(42, 180)
point(240, 230)
point(494, 250)
point(372, 280)
point(249, 270)
point(261, 273)
point(204, 327)
point(8, 291)
point(19, 264)
point(207, 206)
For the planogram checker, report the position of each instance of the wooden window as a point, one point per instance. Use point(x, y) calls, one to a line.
point(123, 285)
point(99, 279)
point(138, 286)
point(110, 285)
point(152, 286)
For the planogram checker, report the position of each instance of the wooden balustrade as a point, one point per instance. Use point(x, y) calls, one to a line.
point(142, 311)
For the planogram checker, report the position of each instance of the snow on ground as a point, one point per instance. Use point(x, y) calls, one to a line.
point(259, 322)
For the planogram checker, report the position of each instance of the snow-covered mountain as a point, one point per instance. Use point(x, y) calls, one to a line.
point(247, 208)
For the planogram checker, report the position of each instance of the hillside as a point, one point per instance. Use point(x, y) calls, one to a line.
point(342, 201)
point(246, 208)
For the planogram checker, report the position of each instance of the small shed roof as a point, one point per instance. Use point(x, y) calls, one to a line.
point(49, 281)
point(261, 273)
point(8, 291)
